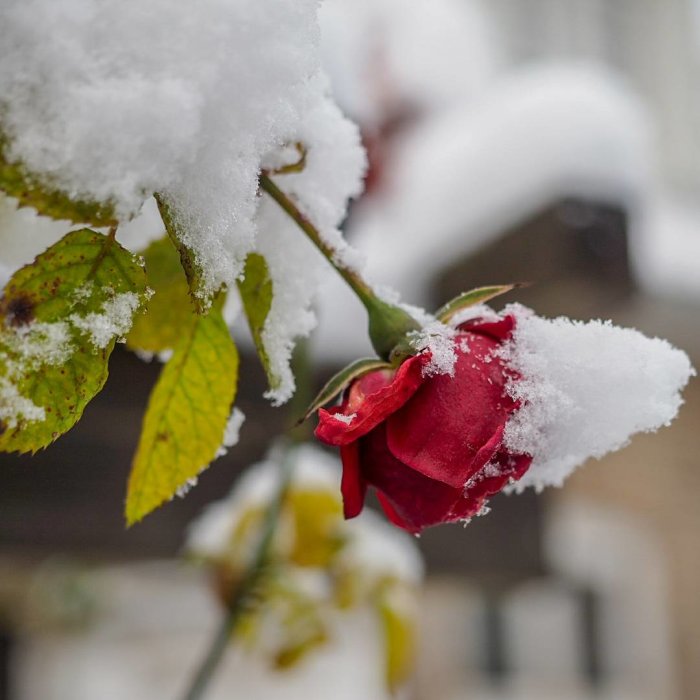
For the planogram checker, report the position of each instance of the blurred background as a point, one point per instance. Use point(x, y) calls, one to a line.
point(552, 142)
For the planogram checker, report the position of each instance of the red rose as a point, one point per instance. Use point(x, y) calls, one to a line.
point(432, 446)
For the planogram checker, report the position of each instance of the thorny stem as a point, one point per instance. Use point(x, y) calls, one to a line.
point(241, 596)
point(388, 324)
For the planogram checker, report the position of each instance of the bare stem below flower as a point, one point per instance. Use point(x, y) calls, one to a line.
point(241, 596)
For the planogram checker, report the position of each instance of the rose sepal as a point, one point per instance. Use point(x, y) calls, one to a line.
point(389, 325)
point(479, 295)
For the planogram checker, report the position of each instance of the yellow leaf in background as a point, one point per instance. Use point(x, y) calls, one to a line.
point(318, 521)
point(311, 535)
point(169, 311)
point(186, 416)
point(400, 634)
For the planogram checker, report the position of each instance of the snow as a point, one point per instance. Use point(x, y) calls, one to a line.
point(667, 251)
point(585, 389)
point(15, 407)
point(116, 100)
point(183, 490)
point(334, 165)
point(114, 321)
point(469, 173)
point(140, 93)
point(380, 549)
point(439, 340)
point(36, 344)
point(231, 431)
point(343, 418)
point(388, 54)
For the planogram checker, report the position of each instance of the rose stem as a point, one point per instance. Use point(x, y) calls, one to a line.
point(388, 324)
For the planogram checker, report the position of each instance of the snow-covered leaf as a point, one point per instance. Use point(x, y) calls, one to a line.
point(49, 201)
point(188, 259)
point(480, 295)
point(169, 311)
point(186, 416)
point(59, 319)
point(339, 381)
point(256, 294)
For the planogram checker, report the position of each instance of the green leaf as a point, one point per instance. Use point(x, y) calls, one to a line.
point(471, 298)
point(48, 200)
point(339, 381)
point(59, 319)
point(188, 259)
point(169, 312)
point(186, 416)
point(256, 294)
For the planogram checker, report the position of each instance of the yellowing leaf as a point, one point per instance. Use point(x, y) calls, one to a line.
point(256, 294)
point(399, 635)
point(59, 319)
point(48, 200)
point(296, 651)
point(312, 534)
point(169, 311)
point(318, 520)
point(192, 269)
point(186, 416)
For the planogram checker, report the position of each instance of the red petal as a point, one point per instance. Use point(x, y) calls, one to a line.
point(499, 330)
point(410, 500)
point(452, 426)
point(352, 485)
point(370, 400)
point(504, 467)
point(392, 515)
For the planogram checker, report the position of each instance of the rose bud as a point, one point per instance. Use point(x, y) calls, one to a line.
point(431, 444)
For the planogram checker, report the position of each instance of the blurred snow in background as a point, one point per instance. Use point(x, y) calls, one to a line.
point(556, 98)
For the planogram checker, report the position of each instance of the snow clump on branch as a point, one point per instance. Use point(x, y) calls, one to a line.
point(116, 100)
